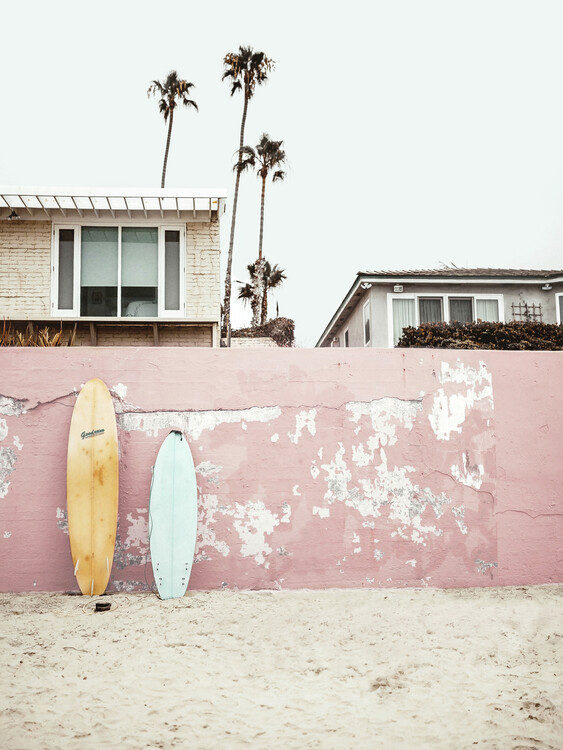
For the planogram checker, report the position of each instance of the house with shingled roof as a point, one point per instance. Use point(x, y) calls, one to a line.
point(120, 266)
point(379, 304)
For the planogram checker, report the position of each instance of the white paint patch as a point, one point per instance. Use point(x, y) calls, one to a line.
point(208, 506)
point(357, 550)
point(385, 414)
point(286, 507)
point(17, 443)
point(470, 476)
point(193, 424)
point(11, 407)
point(320, 453)
point(379, 554)
point(207, 469)
point(305, 419)
point(412, 563)
point(7, 534)
point(244, 426)
point(449, 411)
point(459, 515)
point(120, 391)
point(337, 477)
point(315, 471)
point(7, 464)
point(252, 522)
point(275, 437)
point(138, 532)
point(321, 512)
point(295, 490)
point(62, 520)
point(3, 429)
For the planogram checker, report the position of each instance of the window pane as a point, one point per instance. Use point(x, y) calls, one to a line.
point(430, 310)
point(403, 316)
point(98, 274)
point(139, 256)
point(487, 309)
point(139, 272)
point(346, 338)
point(461, 310)
point(561, 309)
point(172, 270)
point(367, 329)
point(66, 269)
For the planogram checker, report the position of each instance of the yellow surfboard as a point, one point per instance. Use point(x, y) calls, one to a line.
point(92, 487)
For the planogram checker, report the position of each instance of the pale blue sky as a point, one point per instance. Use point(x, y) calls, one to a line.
point(417, 132)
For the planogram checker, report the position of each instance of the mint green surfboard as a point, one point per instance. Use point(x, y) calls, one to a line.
point(173, 516)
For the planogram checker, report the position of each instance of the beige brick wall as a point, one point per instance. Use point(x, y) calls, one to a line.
point(203, 280)
point(25, 262)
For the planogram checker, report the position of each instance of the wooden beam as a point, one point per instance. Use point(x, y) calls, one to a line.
point(93, 335)
point(155, 333)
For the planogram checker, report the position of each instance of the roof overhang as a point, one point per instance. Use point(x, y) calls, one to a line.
point(77, 204)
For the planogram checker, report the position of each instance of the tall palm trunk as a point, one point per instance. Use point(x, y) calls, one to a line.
point(227, 301)
point(260, 276)
point(167, 149)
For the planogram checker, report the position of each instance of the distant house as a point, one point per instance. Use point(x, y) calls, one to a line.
point(380, 304)
point(127, 266)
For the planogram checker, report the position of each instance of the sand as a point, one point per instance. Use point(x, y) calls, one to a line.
point(424, 668)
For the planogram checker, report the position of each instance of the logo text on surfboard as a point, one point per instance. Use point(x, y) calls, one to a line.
point(93, 433)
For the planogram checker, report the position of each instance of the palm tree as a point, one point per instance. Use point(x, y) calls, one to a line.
point(266, 158)
point(272, 278)
point(172, 91)
point(247, 69)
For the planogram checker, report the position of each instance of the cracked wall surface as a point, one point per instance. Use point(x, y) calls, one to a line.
point(314, 468)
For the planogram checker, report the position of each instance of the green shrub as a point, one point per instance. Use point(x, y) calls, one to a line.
point(519, 336)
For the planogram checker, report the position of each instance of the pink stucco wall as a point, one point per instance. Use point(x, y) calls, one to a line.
point(315, 468)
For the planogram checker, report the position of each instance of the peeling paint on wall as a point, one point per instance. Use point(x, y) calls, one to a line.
point(7, 465)
point(62, 520)
point(11, 407)
point(469, 475)
point(321, 512)
point(305, 419)
point(193, 424)
point(450, 408)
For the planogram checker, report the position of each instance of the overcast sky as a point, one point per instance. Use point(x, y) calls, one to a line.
point(418, 133)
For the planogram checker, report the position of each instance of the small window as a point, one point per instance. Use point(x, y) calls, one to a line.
point(430, 309)
point(559, 299)
point(461, 309)
point(403, 316)
point(487, 310)
point(367, 329)
point(346, 338)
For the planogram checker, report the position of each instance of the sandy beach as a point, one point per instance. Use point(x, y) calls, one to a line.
point(423, 668)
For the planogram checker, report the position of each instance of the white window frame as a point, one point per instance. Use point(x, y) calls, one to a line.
point(75, 310)
point(77, 227)
point(445, 307)
point(558, 297)
point(366, 306)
